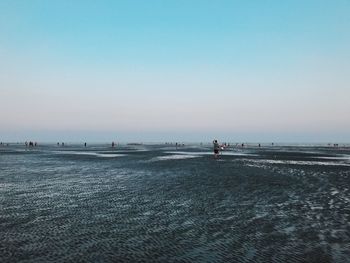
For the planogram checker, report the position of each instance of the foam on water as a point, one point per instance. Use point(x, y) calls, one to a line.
point(292, 162)
point(176, 157)
point(229, 153)
point(97, 154)
point(340, 157)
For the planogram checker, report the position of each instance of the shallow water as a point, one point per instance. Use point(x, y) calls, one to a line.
point(153, 203)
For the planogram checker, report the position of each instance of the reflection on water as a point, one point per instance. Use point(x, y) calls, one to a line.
point(157, 204)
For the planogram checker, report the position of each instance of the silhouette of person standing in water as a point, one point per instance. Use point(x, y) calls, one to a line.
point(216, 148)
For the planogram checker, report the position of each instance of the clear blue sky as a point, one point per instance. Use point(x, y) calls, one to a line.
point(175, 70)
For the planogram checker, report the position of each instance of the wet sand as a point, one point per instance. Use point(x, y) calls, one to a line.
point(153, 203)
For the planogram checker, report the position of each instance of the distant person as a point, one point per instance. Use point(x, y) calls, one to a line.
point(58, 144)
point(85, 144)
point(113, 144)
point(35, 144)
point(62, 143)
point(259, 145)
point(216, 147)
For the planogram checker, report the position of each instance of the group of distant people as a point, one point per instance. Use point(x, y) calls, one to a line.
point(217, 147)
point(34, 144)
point(85, 144)
point(30, 144)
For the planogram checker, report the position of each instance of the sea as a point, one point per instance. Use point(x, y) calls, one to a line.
point(167, 203)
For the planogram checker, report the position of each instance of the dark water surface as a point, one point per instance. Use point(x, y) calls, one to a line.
point(153, 203)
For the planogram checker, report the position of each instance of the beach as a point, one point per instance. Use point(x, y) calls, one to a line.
point(156, 203)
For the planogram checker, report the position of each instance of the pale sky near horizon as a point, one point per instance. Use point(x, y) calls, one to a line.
point(175, 70)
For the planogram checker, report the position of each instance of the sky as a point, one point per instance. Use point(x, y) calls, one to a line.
point(162, 70)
